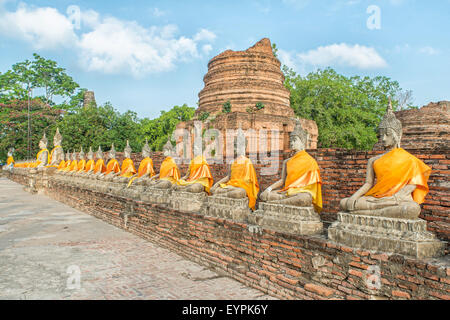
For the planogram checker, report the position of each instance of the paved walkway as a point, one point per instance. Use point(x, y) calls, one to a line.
point(46, 246)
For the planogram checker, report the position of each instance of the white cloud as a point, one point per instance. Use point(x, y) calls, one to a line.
point(42, 27)
point(287, 58)
point(158, 13)
point(429, 51)
point(205, 35)
point(356, 56)
point(108, 45)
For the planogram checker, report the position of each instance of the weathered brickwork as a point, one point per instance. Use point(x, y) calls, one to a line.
point(285, 266)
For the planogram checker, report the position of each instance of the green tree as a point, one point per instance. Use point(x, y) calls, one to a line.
point(347, 110)
point(158, 130)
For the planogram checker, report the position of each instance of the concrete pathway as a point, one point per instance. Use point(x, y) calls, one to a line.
point(51, 251)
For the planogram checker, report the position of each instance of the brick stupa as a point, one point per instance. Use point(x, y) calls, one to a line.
point(246, 78)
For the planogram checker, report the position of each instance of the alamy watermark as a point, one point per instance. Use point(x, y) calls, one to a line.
point(74, 279)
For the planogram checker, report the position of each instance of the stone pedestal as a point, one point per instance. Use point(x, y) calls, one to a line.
point(227, 208)
point(288, 219)
point(392, 235)
point(187, 201)
point(158, 196)
point(31, 185)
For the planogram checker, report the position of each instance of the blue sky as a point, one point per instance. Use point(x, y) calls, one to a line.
point(151, 55)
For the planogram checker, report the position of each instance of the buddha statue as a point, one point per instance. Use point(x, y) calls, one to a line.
point(169, 174)
point(43, 155)
point(81, 161)
point(241, 180)
point(57, 153)
point(99, 167)
point(64, 164)
point(73, 163)
point(300, 183)
point(10, 160)
point(145, 171)
point(90, 164)
point(112, 167)
point(396, 181)
point(128, 170)
point(198, 178)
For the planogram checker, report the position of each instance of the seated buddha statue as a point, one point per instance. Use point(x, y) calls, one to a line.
point(57, 153)
point(128, 170)
point(241, 180)
point(169, 174)
point(396, 181)
point(81, 162)
point(113, 166)
point(300, 183)
point(10, 160)
point(198, 177)
point(73, 163)
point(145, 171)
point(65, 163)
point(90, 164)
point(99, 166)
point(42, 156)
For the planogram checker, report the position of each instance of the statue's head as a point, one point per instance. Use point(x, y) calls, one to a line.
point(57, 139)
point(74, 156)
point(127, 150)
point(10, 152)
point(240, 144)
point(298, 137)
point(99, 153)
point(168, 149)
point(112, 152)
point(90, 154)
point(146, 150)
point(43, 143)
point(390, 129)
point(81, 154)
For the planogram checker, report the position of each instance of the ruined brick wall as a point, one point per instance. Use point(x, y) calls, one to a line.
point(285, 266)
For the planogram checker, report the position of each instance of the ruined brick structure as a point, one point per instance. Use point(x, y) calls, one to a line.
point(427, 127)
point(246, 78)
point(89, 99)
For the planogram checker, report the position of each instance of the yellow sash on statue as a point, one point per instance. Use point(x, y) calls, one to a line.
point(199, 172)
point(112, 166)
point(145, 168)
point(243, 175)
point(81, 165)
point(303, 175)
point(73, 166)
point(128, 169)
point(169, 171)
point(9, 160)
point(35, 164)
point(89, 166)
point(99, 166)
point(399, 168)
point(61, 165)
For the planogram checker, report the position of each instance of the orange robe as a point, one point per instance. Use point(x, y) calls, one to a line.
point(9, 161)
point(399, 168)
point(73, 166)
point(66, 165)
point(303, 175)
point(89, 165)
point(128, 169)
point(145, 168)
point(35, 164)
point(62, 165)
point(81, 165)
point(199, 172)
point(112, 166)
point(100, 166)
point(169, 171)
point(243, 175)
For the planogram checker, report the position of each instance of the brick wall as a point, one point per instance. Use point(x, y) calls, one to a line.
point(344, 171)
point(285, 266)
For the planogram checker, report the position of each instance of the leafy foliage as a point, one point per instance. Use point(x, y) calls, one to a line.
point(259, 106)
point(347, 110)
point(203, 116)
point(226, 107)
